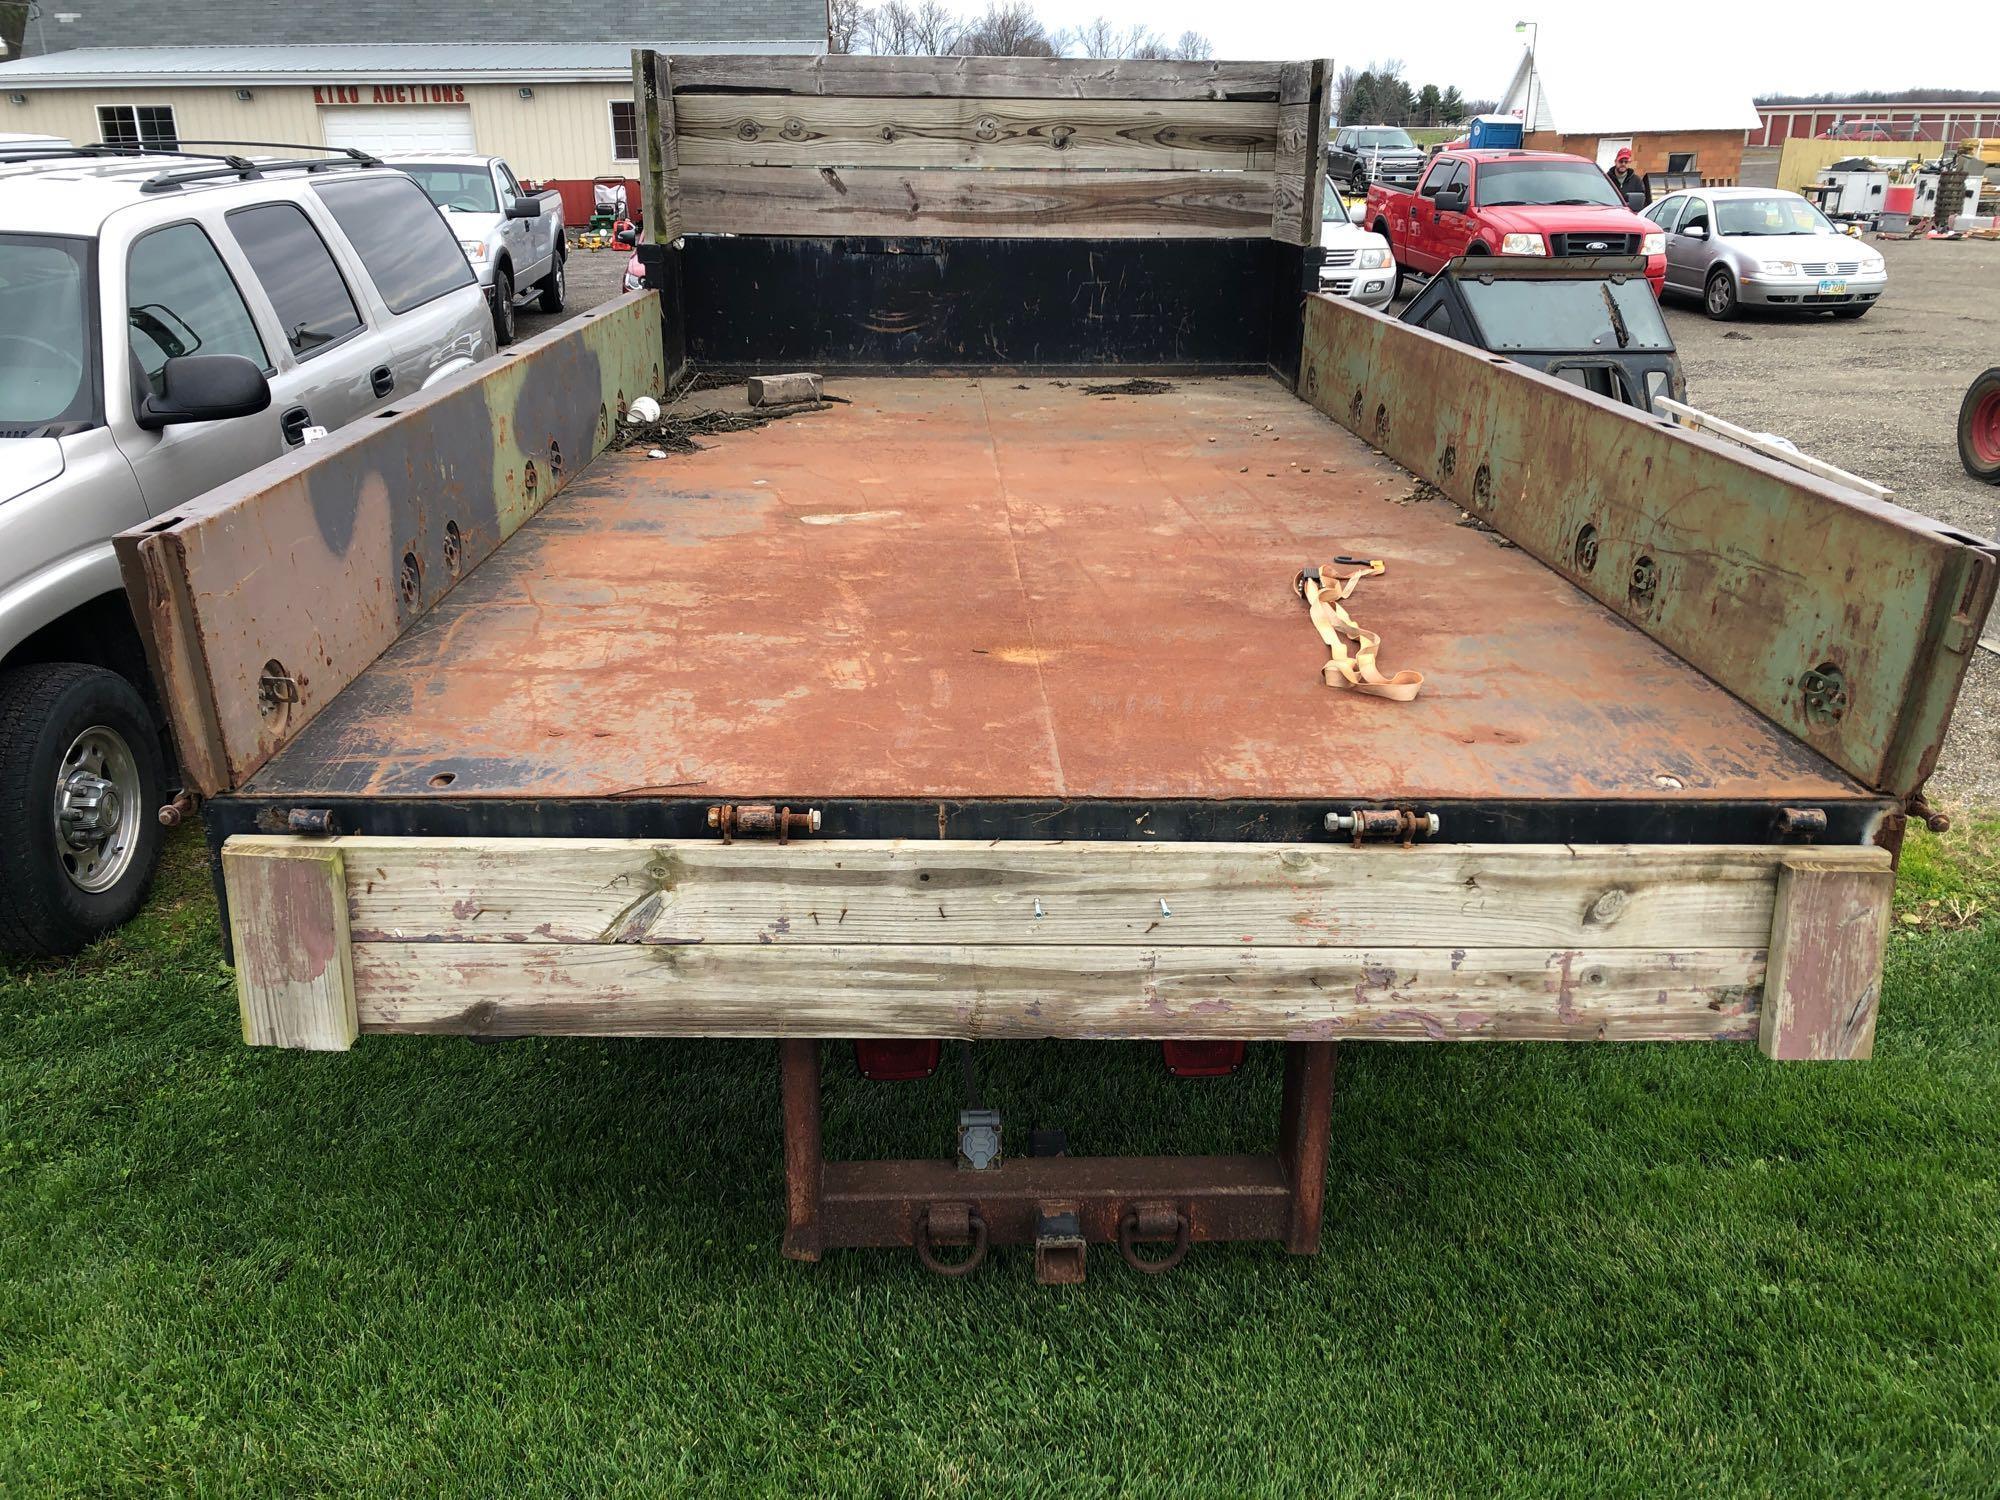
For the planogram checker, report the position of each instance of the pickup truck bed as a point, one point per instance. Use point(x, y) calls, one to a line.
point(1008, 589)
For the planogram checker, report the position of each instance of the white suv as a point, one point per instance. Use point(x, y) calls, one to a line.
point(167, 323)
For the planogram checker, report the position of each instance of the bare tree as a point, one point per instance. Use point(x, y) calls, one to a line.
point(1096, 37)
point(1099, 37)
point(936, 29)
point(844, 22)
point(898, 28)
point(1010, 28)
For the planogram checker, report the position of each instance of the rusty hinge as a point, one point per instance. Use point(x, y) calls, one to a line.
point(732, 818)
point(1405, 825)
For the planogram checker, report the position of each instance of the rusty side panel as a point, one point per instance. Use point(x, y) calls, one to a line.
point(1847, 621)
point(1016, 588)
point(264, 598)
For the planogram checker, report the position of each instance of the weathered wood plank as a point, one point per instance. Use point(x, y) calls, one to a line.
point(288, 921)
point(1828, 928)
point(1303, 107)
point(659, 155)
point(1225, 895)
point(1022, 204)
point(1433, 994)
point(778, 131)
point(988, 77)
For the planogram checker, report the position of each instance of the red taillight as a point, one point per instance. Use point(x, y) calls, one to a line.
point(894, 1062)
point(1202, 1059)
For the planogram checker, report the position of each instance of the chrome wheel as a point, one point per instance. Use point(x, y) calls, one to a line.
point(1721, 295)
point(98, 809)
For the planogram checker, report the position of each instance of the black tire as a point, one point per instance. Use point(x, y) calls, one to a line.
point(1718, 297)
point(555, 285)
point(1979, 428)
point(503, 306)
point(1358, 179)
point(50, 901)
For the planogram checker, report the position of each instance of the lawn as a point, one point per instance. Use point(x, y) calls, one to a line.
point(551, 1267)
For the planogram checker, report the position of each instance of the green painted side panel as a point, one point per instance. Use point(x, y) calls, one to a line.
point(319, 560)
point(1780, 587)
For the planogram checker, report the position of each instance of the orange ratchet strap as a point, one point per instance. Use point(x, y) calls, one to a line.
point(1325, 590)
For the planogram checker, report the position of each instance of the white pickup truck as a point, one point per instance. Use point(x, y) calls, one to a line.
point(513, 238)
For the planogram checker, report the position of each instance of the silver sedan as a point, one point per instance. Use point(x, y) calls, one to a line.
point(1758, 247)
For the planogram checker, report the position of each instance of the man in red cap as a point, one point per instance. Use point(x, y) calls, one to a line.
point(1629, 184)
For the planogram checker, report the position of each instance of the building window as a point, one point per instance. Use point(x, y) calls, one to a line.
point(624, 131)
point(137, 125)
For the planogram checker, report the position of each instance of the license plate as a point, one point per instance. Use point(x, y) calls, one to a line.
point(1830, 287)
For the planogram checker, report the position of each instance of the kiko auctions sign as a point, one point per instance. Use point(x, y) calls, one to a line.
point(388, 93)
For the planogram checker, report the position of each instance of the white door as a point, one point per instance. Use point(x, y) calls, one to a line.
point(375, 129)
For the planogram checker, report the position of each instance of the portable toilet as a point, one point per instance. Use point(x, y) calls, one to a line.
point(1494, 133)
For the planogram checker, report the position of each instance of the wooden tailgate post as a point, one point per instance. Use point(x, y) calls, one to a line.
point(659, 155)
point(1824, 979)
point(294, 963)
point(1302, 119)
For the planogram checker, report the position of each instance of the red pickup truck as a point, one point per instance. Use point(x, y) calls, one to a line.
point(1511, 203)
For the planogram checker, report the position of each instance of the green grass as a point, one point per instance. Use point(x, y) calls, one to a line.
point(428, 1266)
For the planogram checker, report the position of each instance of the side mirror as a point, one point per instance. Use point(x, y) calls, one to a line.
point(1696, 231)
point(205, 388)
point(524, 208)
point(627, 236)
point(1450, 200)
point(1356, 212)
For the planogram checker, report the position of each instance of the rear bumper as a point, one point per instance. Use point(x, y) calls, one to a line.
point(340, 937)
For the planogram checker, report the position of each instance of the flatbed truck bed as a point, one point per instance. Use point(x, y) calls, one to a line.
point(980, 704)
point(1002, 589)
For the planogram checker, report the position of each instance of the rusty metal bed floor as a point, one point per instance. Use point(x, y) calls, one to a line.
point(1004, 588)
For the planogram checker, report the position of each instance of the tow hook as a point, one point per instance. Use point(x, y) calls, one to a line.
point(950, 1224)
point(1153, 1224)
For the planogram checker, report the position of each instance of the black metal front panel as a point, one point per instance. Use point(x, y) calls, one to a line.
point(907, 305)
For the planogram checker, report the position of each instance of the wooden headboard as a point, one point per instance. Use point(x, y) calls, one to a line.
point(821, 159)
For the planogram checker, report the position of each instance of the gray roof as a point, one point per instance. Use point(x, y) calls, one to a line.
point(187, 66)
point(468, 25)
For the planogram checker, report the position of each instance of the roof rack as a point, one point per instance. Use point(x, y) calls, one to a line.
point(229, 165)
point(242, 168)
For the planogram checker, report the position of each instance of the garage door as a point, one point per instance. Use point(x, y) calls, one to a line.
point(393, 128)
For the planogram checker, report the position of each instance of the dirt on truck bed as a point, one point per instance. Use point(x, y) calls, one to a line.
point(1015, 588)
